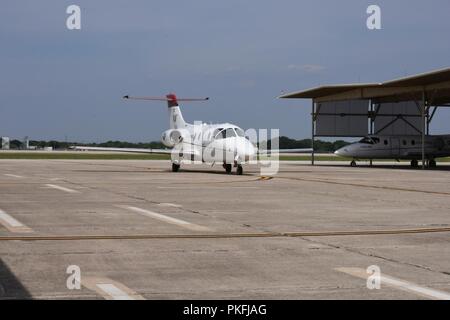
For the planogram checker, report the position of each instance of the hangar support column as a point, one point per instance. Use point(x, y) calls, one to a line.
point(313, 124)
point(422, 109)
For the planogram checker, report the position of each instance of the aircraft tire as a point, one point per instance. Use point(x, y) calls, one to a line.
point(175, 167)
point(239, 170)
point(353, 163)
point(432, 163)
point(414, 163)
point(227, 167)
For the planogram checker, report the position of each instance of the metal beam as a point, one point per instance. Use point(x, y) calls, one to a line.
point(381, 91)
point(423, 128)
point(313, 122)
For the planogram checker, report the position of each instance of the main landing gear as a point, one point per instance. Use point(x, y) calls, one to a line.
point(353, 163)
point(228, 167)
point(431, 163)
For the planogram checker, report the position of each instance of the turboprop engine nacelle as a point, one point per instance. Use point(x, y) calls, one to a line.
point(173, 136)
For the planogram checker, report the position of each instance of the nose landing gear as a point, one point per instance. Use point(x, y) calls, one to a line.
point(432, 163)
point(353, 163)
point(175, 167)
point(228, 167)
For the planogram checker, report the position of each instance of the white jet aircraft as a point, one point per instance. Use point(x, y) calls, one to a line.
point(398, 147)
point(209, 143)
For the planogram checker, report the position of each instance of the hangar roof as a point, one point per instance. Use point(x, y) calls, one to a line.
point(436, 85)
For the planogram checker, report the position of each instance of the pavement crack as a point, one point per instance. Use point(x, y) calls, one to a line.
point(372, 255)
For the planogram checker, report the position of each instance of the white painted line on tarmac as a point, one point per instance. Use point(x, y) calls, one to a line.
point(54, 186)
point(13, 175)
point(167, 204)
point(205, 187)
point(110, 289)
point(161, 217)
point(114, 292)
point(12, 224)
point(399, 284)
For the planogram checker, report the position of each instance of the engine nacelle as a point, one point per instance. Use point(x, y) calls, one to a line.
point(173, 137)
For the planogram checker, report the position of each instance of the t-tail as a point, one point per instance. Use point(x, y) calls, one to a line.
point(176, 120)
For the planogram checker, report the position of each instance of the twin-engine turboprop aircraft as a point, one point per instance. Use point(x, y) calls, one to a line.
point(398, 147)
point(222, 143)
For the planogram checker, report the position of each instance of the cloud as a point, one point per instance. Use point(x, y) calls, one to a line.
point(308, 68)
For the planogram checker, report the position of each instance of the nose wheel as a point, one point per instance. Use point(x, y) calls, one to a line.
point(228, 167)
point(432, 163)
point(353, 163)
point(175, 167)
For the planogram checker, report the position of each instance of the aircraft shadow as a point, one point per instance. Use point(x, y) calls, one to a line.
point(10, 287)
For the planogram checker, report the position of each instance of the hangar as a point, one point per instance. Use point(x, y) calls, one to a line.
point(403, 106)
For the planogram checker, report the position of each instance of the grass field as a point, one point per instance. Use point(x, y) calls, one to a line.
point(38, 155)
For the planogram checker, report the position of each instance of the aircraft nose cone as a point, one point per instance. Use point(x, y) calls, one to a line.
point(246, 150)
point(341, 152)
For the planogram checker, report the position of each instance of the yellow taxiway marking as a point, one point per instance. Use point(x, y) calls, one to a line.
point(12, 224)
point(54, 186)
point(110, 289)
point(399, 284)
point(210, 235)
point(161, 217)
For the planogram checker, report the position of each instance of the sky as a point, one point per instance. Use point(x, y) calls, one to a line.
point(62, 84)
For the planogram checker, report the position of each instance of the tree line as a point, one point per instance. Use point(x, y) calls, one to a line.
point(284, 143)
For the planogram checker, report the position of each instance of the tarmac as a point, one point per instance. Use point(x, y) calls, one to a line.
point(116, 229)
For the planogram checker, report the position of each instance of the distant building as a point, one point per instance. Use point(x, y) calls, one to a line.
point(5, 143)
point(26, 143)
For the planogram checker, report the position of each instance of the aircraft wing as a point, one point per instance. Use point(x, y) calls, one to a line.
point(283, 151)
point(135, 150)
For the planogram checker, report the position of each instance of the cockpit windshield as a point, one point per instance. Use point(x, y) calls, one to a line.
point(239, 132)
point(225, 133)
point(366, 140)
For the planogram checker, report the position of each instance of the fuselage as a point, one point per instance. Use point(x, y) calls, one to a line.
point(211, 143)
point(397, 147)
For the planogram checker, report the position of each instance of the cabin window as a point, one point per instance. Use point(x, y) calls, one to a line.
point(385, 142)
point(404, 142)
point(413, 142)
